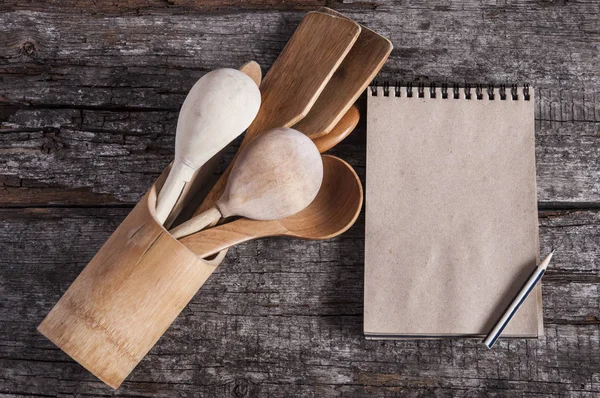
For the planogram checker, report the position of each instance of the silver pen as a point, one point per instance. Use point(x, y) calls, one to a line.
point(534, 278)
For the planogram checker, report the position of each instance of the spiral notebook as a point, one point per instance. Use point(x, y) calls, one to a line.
point(451, 211)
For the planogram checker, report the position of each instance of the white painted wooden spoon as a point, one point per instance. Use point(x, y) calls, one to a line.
point(277, 175)
point(219, 107)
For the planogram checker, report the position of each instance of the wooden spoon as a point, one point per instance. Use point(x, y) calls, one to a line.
point(344, 127)
point(218, 108)
point(195, 186)
point(350, 80)
point(252, 69)
point(333, 211)
point(276, 176)
point(341, 130)
point(296, 79)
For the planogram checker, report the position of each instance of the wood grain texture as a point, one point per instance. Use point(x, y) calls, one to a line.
point(291, 324)
point(127, 296)
point(78, 105)
point(89, 94)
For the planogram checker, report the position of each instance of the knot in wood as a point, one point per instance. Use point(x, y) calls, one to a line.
point(28, 48)
point(241, 388)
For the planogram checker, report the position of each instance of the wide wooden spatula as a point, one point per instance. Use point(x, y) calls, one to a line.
point(296, 79)
point(350, 80)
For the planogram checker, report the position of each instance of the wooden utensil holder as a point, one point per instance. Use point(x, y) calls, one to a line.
point(127, 296)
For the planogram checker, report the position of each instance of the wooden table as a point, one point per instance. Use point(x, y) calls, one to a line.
point(89, 95)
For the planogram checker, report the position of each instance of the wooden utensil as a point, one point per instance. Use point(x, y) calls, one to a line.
point(296, 79)
point(252, 69)
point(218, 108)
point(352, 77)
point(340, 131)
point(333, 211)
point(276, 175)
point(194, 187)
point(344, 127)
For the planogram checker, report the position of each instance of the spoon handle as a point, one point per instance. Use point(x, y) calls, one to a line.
point(213, 240)
point(178, 176)
point(340, 131)
point(197, 223)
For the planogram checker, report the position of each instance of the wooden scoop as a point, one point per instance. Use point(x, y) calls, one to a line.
point(333, 211)
point(296, 79)
point(276, 175)
point(219, 107)
point(349, 81)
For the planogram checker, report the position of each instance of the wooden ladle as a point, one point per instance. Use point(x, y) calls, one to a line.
point(276, 175)
point(333, 211)
point(218, 108)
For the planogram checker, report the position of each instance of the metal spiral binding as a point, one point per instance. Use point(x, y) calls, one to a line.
point(481, 90)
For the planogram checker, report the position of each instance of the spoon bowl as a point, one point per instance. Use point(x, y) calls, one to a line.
point(335, 208)
point(277, 175)
point(331, 213)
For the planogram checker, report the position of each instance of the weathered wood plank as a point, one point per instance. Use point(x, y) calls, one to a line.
point(284, 318)
point(78, 104)
point(150, 60)
point(87, 157)
point(140, 7)
point(313, 357)
point(44, 250)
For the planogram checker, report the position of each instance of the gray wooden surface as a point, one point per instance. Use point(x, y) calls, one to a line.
point(89, 94)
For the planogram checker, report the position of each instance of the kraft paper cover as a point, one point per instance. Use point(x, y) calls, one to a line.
point(451, 215)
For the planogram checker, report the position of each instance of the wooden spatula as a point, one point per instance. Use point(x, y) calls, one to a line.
point(296, 79)
point(356, 71)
